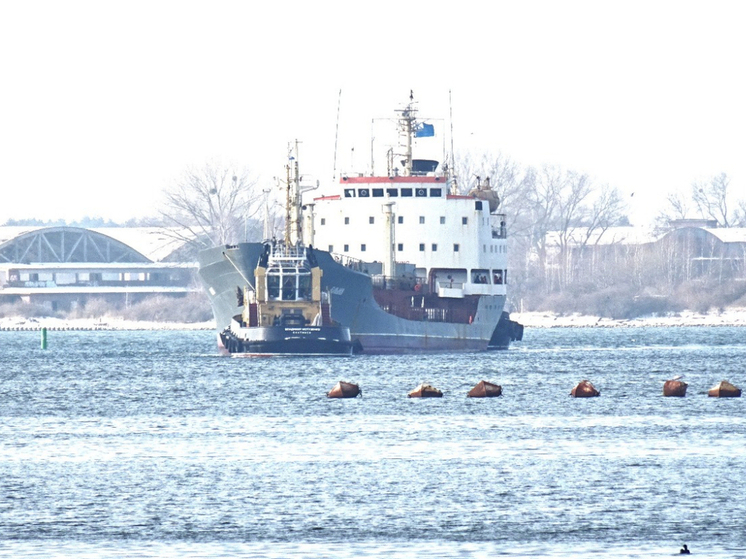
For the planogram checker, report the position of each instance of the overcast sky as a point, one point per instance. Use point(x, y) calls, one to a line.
point(103, 104)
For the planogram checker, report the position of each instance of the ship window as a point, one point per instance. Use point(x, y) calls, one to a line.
point(363, 192)
point(421, 192)
point(288, 288)
point(497, 277)
point(422, 219)
point(406, 192)
point(349, 192)
point(435, 192)
point(400, 219)
point(378, 193)
point(480, 276)
point(304, 287)
point(371, 219)
point(464, 220)
point(347, 248)
point(362, 248)
point(323, 221)
point(422, 247)
point(331, 248)
point(347, 221)
point(478, 204)
point(455, 247)
point(442, 219)
point(435, 247)
point(393, 192)
point(273, 287)
point(400, 247)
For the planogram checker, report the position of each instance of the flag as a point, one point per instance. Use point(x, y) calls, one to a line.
point(424, 130)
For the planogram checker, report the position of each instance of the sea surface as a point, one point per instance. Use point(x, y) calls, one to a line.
point(149, 444)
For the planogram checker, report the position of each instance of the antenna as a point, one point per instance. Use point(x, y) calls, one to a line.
point(454, 184)
point(336, 133)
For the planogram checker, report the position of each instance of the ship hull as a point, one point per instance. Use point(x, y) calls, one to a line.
point(283, 340)
point(353, 306)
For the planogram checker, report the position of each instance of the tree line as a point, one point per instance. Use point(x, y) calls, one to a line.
point(563, 259)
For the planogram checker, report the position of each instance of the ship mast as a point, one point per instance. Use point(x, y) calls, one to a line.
point(407, 124)
point(293, 230)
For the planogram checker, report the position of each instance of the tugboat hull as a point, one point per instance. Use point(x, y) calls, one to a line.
point(285, 340)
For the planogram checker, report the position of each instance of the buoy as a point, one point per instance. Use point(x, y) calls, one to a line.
point(584, 389)
point(675, 387)
point(484, 389)
point(425, 391)
point(44, 338)
point(344, 390)
point(724, 389)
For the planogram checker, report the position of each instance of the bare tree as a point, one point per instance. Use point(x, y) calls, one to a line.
point(213, 205)
point(678, 206)
point(714, 201)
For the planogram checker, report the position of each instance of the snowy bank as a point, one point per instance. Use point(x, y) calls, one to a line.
point(18, 323)
point(728, 317)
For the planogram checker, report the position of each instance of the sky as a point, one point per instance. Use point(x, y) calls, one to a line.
point(103, 105)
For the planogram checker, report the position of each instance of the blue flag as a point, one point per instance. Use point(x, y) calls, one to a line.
point(424, 131)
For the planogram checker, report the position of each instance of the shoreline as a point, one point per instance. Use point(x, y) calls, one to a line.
point(727, 317)
point(14, 323)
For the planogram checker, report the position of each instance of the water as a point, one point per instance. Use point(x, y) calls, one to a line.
point(147, 444)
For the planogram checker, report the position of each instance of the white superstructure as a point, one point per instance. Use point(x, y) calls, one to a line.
point(455, 244)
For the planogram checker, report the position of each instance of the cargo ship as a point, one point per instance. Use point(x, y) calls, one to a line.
point(409, 263)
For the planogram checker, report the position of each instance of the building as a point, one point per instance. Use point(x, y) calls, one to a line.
point(63, 267)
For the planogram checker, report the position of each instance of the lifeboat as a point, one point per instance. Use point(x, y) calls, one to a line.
point(584, 389)
point(724, 389)
point(484, 389)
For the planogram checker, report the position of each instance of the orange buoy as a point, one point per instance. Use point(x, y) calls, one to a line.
point(344, 390)
point(675, 387)
point(724, 389)
point(584, 389)
point(425, 391)
point(484, 389)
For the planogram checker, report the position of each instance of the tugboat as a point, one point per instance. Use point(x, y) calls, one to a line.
point(285, 310)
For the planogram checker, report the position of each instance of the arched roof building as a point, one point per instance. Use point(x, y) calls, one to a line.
point(64, 266)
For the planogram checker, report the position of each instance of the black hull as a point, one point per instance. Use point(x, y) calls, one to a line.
point(505, 332)
point(282, 340)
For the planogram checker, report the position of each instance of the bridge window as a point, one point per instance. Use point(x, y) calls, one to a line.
point(363, 192)
point(378, 193)
point(349, 192)
point(435, 192)
point(393, 192)
point(421, 192)
point(406, 192)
